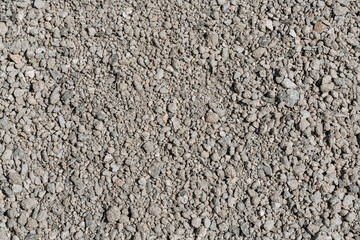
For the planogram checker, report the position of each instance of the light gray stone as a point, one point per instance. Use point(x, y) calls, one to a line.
point(3, 29)
point(287, 83)
point(113, 214)
point(39, 4)
point(269, 225)
point(29, 203)
point(212, 117)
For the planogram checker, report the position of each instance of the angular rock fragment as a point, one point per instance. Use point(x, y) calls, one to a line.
point(290, 97)
point(113, 214)
point(212, 117)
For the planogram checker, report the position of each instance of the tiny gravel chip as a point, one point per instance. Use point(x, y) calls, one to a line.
point(212, 117)
point(3, 29)
point(269, 224)
point(29, 203)
point(287, 83)
point(149, 147)
point(39, 4)
point(61, 121)
point(113, 214)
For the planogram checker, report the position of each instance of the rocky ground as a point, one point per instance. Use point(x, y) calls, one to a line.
point(179, 119)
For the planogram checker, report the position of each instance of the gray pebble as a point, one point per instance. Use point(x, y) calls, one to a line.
point(312, 229)
point(215, 156)
point(292, 33)
point(202, 232)
point(264, 41)
point(142, 181)
point(39, 4)
point(269, 225)
point(326, 84)
point(4, 123)
point(3, 29)
point(213, 39)
point(15, 177)
point(172, 107)
point(160, 74)
point(16, 188)
point(339, 10)
point(29, 203)
point(113, 214)
point(196, 222)
point(339, 81)
point(245, 229)
point(212, 117)
point(259, 52)
point(287, 83)
point(149, 147)
point(32, 237)
point(207, 222)
point(290, 97)
point(55, 97)
point(61, 121)
point(293, 184)
point(92, 32)
point(6, 156)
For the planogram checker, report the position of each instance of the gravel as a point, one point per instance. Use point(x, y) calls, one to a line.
point(222, 119)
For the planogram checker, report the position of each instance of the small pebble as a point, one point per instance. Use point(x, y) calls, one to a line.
point(3, 29)
point(29, 203)
point(61, 121)
point(6, 155)
point(159, 75)
point(39, 4)
point(259, 52)
point(113, 214)
point(212, 117)
point(269, 225)
point(287, 83)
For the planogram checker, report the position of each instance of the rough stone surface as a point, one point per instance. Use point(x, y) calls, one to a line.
point(181, 119)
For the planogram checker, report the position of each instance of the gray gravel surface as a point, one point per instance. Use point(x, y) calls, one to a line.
point(179, 119)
